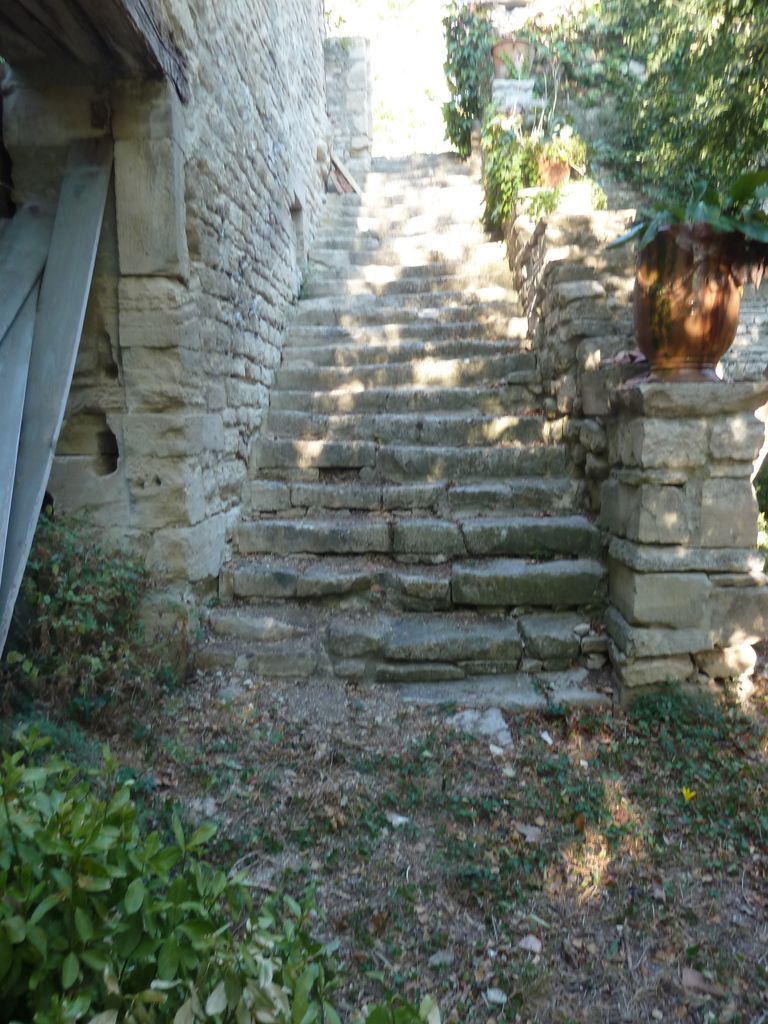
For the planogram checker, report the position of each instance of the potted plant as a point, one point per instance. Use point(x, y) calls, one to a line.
point(560, 152)
point(693, 262)
point(513, 57)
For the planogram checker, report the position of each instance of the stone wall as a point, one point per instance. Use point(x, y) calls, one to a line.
point(668, 467)
point(213, 207)
point(576, 296)
point(348, 78)
point(748, 357)
point(687, 592)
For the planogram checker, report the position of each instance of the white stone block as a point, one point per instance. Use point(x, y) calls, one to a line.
point(193, 553)
point(728, 513)
point(728, 662)
point(151, 211)
point(655, 671)
point(659, 442)
point(679, 600)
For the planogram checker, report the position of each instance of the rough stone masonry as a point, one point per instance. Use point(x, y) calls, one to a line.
point(214, 201)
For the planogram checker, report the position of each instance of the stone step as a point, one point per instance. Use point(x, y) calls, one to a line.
point(495, 400)
point(409, 648)
point(419, 194)
point(403, 647)
point(507, 582)
point(485, 265)
point(355, 224)
point(443, 498)
point(390, 463)
point(431, 372)
point(474, 284)
point(520, 692)
point(389, 237)
point(378, 581)
point(415, 428)
point(411, 255)
point(491, 297)
point(385, 175)
point(428, 539)
point(428, 162)
point(366, 311)
point(380, 352)
point(286, 660)
point(450, 213)
point(432, 329)
point(369, 312)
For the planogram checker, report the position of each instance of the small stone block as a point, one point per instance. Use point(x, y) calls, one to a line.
point(729, 662)
point(737, 438)
point(551, 636)
point(653, 671)
point(268, 496)
point(659, 599)
point(439, 540)
point(728, 513)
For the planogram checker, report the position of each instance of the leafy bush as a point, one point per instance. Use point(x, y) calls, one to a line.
point(702, 109)
point(99, 922)
point(468, 69)
point(564, 146)
point(78, 635)
point(510, 163)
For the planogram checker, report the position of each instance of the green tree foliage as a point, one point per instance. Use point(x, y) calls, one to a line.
point(510, 163)
point(468, 69)
point(702, 110)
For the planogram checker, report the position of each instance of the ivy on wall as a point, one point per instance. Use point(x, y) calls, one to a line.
point(468, 70)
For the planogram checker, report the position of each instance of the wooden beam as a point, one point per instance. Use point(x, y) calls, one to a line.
point(15, 348)
point(135, 31)
point(23, 251)
point(61, 309)
point(118, 38)
point(65, 24)
point(15, 45)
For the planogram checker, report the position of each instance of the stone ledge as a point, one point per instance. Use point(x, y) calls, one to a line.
point(675, 558)
point(689, 398)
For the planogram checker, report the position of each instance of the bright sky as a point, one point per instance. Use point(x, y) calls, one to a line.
point(407, 57)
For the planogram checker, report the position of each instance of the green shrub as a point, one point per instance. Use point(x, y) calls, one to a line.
point(510, 163)
point(468, 70)
point(702, 110)
point(77, 638)
point(103, 924)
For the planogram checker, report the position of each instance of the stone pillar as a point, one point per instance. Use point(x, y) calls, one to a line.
point(687, 592)
point(348, 90)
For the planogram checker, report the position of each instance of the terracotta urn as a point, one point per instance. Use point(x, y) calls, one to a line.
point(517, 52)
point(553, 173)
point(686, 301)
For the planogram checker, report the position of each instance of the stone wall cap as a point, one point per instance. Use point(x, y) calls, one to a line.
point(676, 558)
point(689, 398)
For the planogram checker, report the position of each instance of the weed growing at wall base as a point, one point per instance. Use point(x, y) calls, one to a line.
point(77, 640)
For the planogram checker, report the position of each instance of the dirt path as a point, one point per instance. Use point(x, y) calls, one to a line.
point(598, 867)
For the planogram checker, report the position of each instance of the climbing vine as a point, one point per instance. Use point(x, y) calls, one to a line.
point(468, 37)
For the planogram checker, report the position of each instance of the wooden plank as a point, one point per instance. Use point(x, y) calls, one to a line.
point(15, 350)
point(136, 33)
point(23, 252)
point(65, 23)
point(119, 37)
point(30, 29)
point(60, 314)
point(14, 45)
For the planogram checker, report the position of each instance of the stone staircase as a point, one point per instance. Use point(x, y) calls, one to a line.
point(411, 517)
